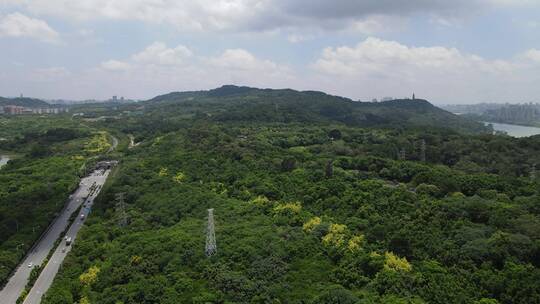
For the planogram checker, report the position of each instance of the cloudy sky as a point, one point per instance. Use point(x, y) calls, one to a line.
point(458, 51)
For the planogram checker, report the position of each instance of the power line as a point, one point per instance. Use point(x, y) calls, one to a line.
point(423, 150)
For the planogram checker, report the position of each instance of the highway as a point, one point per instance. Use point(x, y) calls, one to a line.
point(48, 273)
point(88, 189)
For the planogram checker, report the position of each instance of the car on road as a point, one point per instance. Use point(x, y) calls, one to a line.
point(30, 265)
point(68, 241)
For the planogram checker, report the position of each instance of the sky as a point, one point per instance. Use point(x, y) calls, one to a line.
point(459, 51)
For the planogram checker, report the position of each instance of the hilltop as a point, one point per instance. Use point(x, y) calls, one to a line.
point(23, 102)
point(233, 103)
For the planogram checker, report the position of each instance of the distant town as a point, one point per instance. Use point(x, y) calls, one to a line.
point(27, 106)
point(19, 110)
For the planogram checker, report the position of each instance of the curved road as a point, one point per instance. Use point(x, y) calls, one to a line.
point(114, 144)
point(39, 252)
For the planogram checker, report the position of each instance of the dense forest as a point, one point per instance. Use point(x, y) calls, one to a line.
point(24, 102)
point(311, 206)
point(231, 103)
point(316, 198)
point(49, 154)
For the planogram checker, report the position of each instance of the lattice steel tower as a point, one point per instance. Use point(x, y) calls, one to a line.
point(211, 247)
point(423, 150)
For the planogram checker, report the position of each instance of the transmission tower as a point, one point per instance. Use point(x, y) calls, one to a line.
point(121, 209)
point(423, 150)
point(211, 247)
point(329, 170)
point(402, 155)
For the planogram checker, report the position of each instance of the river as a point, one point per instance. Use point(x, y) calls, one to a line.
point(515, 130)
point(3, 160)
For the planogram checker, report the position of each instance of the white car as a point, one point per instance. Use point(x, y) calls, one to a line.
point(30, 265)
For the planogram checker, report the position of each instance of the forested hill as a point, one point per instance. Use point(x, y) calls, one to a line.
point(232, 103)
point(23, 102)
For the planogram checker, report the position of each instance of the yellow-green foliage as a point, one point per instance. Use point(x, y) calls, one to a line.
point(77, 157)
point(219, 188)
point(84, 300)
point(90, 276)
point(163, 172)
point(98, 143)
point(179, 177)
point(157, 140)
point(335, 236)
point(374, 255)
point(356, 242)
point(260, 200)
point(288, 208)
point(312, 224)
point(136, 260)
point(395, 263)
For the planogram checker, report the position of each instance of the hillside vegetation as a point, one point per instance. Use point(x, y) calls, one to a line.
point(49, 156)
point(231, 103)
point(24, 102)
point(312, 205)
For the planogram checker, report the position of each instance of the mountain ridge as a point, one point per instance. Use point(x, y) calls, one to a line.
point(23, 102)
point(241, 103)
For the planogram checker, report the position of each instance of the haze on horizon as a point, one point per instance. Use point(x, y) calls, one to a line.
point(463, 51)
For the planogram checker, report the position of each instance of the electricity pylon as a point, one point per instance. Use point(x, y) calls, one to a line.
point(211, 247)
point(402, 155)
point(423, 150)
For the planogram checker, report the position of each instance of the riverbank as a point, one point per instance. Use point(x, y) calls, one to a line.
point(4, 160)
point(514, 130)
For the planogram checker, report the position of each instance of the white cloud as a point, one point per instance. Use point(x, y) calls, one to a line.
point(257, 15)
point(19, 25)
point(376, 24)
point(239, 59)
point(159, 53)
point(297, 38)
point(443, 74)
point(379, 56)
point(533, 55)
point(115, 65)
point(159, 68)
point(50, 74)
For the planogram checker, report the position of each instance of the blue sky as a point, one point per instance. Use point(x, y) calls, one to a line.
point(446, 51)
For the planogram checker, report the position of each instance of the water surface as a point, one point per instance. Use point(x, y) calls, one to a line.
point(3, 160)
point(515, 130)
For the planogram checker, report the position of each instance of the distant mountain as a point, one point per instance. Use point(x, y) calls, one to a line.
point(230, 103)
point(24, 102)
